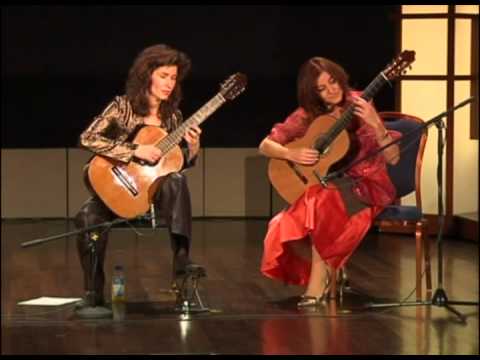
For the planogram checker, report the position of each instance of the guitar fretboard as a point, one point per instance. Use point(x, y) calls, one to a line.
point(170, 141)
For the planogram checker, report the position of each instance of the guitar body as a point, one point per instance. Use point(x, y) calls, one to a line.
point(128, 189)
point(291, 180)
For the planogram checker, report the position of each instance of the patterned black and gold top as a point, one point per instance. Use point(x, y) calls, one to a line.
point(110, 133)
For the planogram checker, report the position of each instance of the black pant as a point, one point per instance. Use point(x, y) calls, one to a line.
point(172, 203)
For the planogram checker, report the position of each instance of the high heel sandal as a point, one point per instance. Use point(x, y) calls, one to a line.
point(308, 300)
point(342, 281)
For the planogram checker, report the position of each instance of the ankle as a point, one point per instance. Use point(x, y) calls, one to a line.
point(318, 288)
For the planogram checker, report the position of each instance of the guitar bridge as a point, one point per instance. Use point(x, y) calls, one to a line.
point(125, 180)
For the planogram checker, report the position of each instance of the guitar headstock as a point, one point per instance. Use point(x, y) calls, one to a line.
point(399, 64)
point(233, 86)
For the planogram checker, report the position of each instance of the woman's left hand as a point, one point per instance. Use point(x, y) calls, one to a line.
point(365, 111)
point(192, 137)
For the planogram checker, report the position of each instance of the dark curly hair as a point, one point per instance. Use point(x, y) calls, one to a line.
point(139, 79)
point(307, 93)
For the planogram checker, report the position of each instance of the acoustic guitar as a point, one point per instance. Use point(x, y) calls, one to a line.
point(128, 188)
point(328, 136)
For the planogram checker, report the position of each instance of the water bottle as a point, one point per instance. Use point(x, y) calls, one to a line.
point(118, 285)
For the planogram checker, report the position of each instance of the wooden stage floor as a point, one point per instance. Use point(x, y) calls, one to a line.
point(249, 313)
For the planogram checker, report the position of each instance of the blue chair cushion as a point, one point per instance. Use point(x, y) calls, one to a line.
point(402, 174)
point(400, 213)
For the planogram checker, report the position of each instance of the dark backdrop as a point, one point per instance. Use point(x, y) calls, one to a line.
point(62, 64)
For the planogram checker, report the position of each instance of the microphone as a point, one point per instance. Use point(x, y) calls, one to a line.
point(464, 102)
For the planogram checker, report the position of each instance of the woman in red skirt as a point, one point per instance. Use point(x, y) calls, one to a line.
point(331, 221)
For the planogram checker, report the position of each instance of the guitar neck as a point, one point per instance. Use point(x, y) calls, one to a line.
point(371, 90)
point(169, 142)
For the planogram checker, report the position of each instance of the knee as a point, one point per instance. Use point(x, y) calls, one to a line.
point(176, 178)
point(86, 218)
point(175, 181)
point(80, 219)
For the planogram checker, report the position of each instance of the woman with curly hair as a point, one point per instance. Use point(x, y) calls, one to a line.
point(153, 93)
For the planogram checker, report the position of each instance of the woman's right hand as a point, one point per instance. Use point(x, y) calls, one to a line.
point(303, 156)
point(148, 153)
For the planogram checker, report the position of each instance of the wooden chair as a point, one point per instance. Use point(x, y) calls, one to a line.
point(405, 175)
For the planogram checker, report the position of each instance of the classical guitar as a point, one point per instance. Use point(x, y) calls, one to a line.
point(127, 188)
point(327, 134)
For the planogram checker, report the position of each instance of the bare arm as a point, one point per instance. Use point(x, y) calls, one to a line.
point(272, 149)
point(302, 156)
point(391, 153)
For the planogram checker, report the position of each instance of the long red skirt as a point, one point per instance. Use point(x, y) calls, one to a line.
point(320, 215)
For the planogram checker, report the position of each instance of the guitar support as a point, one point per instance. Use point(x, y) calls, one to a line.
point(188, 298)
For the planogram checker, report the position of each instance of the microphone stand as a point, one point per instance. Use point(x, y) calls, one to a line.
point(90, 310)
point(439, 297)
